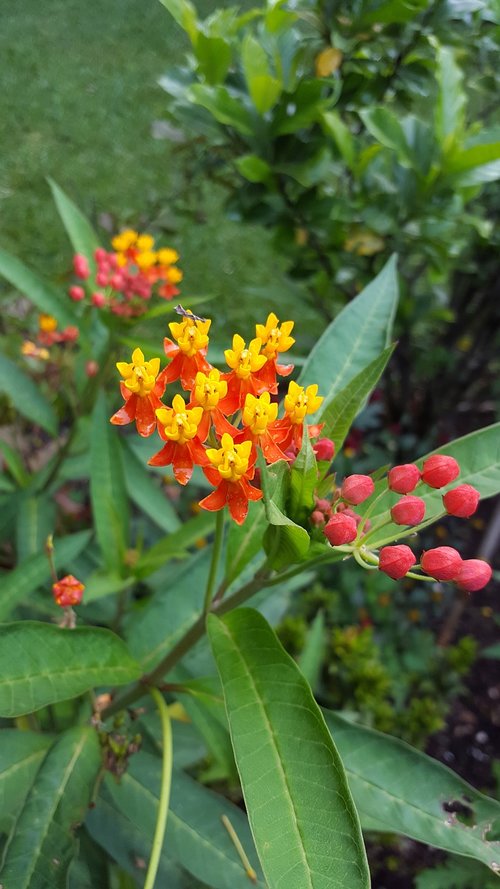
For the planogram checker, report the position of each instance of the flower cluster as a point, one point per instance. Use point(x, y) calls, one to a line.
point(127, 276)
point(225, 417)
point(47, 336)
point(343, 526)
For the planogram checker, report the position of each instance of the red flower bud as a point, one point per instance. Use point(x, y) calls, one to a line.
point(70, 334)
point(340, 529)
point(404, 478)
point(442, 563)
point(461, 501)
point(439, 470)
point(98, 299)
point(323, 504)
point(100, 254)
point(324, 449)
point(317, 518)
point(473, 575)
point(102, 279)
point(81, 266)
point(117, 281)
point(357, 488)
point(68, 591)
point(396, 561)
point(91, 368)
point(76, 293)
point(409, 510)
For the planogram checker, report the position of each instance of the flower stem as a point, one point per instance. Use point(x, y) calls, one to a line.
point(217, 546)
point(166, 777)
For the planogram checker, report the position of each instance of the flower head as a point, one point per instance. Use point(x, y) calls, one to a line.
point(231, 467)
point(300, 401)
point(68, 591)
point(244, 361)
point(231, 460)
point(178, 422)
point(142, 388)
point(139, 376)
point(191, 335)
point(274, 338)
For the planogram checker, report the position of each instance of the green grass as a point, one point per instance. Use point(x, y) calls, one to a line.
point(78, 99)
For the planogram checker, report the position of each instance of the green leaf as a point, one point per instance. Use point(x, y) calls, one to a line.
point(253, 168)
point(175, 545)
point(42, 845)
point(303, 481)
point(314, 651)
point(35, 521)
point(107, 488)
point(42, 294)
point(400, 790)
point(26, 396)
point(264, 89)
point(14, 464)
point(195, 838)
point(244, 541)
point(304, 823)
point(41, 664)
point(214, 57)
point(184, 14)
point(386, 127)
point(35, 571)
point(450, 107)
point(334, 126)
point(146, 494)
point(479, 457)
point(226, 108)
point(468, 158)
point(356, 337)
point(21, 754)
point(79, 230)
point(339, 411)
point(285, 542)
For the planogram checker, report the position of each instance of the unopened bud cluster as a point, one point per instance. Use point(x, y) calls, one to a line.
point(343, 526)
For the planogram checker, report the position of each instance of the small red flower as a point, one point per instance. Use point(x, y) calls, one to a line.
point(324, 449)
point(68, 591)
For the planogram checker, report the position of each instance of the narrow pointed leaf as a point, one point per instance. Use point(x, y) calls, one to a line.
point(41, 293)
point(35, 521)
point(21, 754)
point(244, 541)
point(143, 489)
point(303, 820)
point(79, 230)
point(41, 664)
point(356, 337)
point(107, 488)
point(285, 542)
point(303, 481)
point(400, 790)
point(25, 396)
point(174, 545)
point(43, 842)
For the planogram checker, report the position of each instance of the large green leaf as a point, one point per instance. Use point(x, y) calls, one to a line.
point(41, 293)
point(21, 754)
point(79, 230)
point(184, 14)
point(356, 337)
point(214, 57)
point(26, 396)
point(195, 838)
point(479, 457)
point(303, 820)
point(303, 482)
point(143, 489)
point(244, 541)
point(42, 844)
point(264, 89)
point(339, 411)
point(384, 124)
point(107, 488)
point(400, 790)
point(450, 108)
point(34, 522)
point(175, 545)
point(284, 541)
point(35, 571)
point(41, 664)
point(224, 106)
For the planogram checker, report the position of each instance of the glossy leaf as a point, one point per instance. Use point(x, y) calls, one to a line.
point(175, 545)
point(224, 106)
point(244, 541)
point(356, 337)
point(35, 520)
point(334, 126)
point(386, 127)
point(303, 482)
point(479, 457)
point(195, 838)
point(264, 89)
point(184, 14)
point(41, 664)
point(284, 541)
point(400, 790)
point(107, 488)
point(35, 571)
point(41, 293)
point(304, 823)
point(253, 168)
point(144, 491)
point(25, 396)
point(42, 845)
point(21, 754)
point(214, 57)
point(339, 411)
point(312, 656)
point(79, 230)
point(450, 108)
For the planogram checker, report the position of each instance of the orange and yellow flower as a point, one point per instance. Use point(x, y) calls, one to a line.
point(231, 469)
point(188, 352)
point(275, 339)
point(299, 402)
point(245, 364)
point(258, 414)
point(142, 389)
point(207, 392)
point(178, 426)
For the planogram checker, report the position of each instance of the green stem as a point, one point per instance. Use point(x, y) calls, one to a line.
point(166, 777)
point(217, 546)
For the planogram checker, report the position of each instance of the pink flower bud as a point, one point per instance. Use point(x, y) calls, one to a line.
point(68, 591)
point(81, 266)
point(409, 510)
point(324, 449)
point(473, 575)
point(98, 299)
point(76, 293)
point(396, 561)
point(116, 281)
point(340, 529)
point(91, 368)
point(323, 504)
point(100, 255)
point(439, 470)
point(403, 479)
point(70, 334)
point(102, 279)
point(317, 518)
point(357, 488)
point(461, 501)
point(442, 563)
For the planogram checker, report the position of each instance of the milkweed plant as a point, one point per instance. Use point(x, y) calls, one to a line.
point(154, 730)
